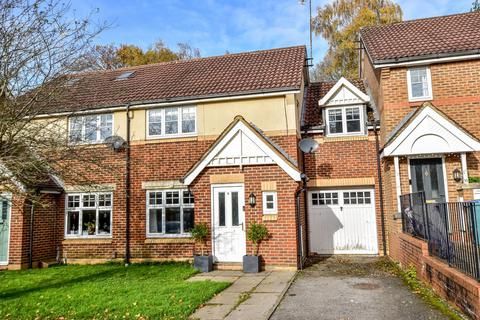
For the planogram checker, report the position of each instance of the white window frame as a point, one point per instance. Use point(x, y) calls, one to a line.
point(80, 208)
point(163, 135)
point(344, 120)
point(163, 206)
point(274, 210)
point(98, 131)
point(429, 83)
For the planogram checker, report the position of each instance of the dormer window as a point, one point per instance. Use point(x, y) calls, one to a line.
point(419, 84)
point(346, 120)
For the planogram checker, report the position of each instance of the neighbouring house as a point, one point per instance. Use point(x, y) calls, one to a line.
point(423, 77)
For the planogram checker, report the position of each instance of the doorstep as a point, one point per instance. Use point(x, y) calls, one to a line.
point(251, 295)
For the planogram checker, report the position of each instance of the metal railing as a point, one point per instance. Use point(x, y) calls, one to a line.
point(451, 230)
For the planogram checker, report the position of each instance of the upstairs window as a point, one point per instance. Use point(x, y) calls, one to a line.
point(419, 84)
point(345, 121)
point(90, 128)
point(174, 121)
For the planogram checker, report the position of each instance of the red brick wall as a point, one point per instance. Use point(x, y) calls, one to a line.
point(154, 162)
point(344, 160)
point(451, 284)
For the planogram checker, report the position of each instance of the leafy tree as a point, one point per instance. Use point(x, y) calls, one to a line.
point(339, 22)
point(475, 6)
point(126, 55)
point(40, 44)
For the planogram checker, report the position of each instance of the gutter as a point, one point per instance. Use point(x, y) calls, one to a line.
point(428, 59)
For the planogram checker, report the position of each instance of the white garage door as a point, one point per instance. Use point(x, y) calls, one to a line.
point(342, 221)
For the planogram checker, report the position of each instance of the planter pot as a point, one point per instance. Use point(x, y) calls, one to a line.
point(251, 264)
point(203, 263)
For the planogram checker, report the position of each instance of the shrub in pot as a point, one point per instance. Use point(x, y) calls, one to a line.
point(203, 263)
point(256, 233)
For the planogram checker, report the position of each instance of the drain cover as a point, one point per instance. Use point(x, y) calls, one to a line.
point(366, 286)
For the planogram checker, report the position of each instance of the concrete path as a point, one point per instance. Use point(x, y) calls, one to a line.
point(251, 295)
point(351, 288)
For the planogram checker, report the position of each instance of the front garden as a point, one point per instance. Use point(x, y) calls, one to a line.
point(107, 291)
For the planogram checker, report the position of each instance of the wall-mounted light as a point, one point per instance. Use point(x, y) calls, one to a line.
point(457, 175)
point(252, 200)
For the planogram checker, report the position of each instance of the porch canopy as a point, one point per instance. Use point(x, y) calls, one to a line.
point(427, 130)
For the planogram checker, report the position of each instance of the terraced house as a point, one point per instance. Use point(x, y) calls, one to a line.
point(216, 140)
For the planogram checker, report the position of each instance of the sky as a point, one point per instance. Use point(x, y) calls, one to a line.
point(215, 26)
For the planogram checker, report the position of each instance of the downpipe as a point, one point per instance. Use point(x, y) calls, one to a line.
point(300, 248)
point(127, 190)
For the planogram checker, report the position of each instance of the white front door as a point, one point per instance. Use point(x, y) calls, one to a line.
point(228, 220)
point(342, 221)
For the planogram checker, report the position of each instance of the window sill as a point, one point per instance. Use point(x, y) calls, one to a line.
point(170, 240)
point(423, 99)
point(87, 240)
point(346, 138)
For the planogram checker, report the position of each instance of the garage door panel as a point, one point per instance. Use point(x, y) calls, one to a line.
point(348, 227)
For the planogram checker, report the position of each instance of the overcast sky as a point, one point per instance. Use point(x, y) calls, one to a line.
point(215, 26)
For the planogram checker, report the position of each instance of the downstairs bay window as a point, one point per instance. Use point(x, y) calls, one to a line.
point(169, 212)
point(88, 215)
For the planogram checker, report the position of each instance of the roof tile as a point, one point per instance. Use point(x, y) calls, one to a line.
point(422, 38)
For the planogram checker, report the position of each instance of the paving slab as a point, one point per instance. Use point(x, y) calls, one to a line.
point(250, 312)
point(259, 304)
point(212, 312)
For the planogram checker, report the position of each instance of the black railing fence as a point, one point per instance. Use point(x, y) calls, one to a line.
point(451, 229)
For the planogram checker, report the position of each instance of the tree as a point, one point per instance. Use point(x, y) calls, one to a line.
point(102, 57)
point(339, 23)
point(475, 6)
point(40, 45)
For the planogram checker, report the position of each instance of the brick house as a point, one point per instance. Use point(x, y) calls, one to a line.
point(207, 137)
point(216, 140)
point(423, 77)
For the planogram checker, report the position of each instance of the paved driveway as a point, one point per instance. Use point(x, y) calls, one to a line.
point(351, 288)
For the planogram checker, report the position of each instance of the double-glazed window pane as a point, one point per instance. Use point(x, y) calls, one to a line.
point(335, 122)
point(188, 219)
point(155, 122)
point(419, 83)
point(188, 119)
point(73, 222)
point(353, 119)
point(104, 222)
point(171, 120)
point(106, 126)
point(269, 201)
point(155, 219)
point(170, 212)
point(89, 222)
point(172, 220)
point(90, 128)
point(75, 130)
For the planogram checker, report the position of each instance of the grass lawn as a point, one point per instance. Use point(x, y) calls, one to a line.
point(107, 291)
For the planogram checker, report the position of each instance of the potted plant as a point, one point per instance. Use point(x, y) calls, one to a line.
point(201, 262)
point(256, 234)
point(90, 228)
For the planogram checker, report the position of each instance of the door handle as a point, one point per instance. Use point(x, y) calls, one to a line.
point(242, 226)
